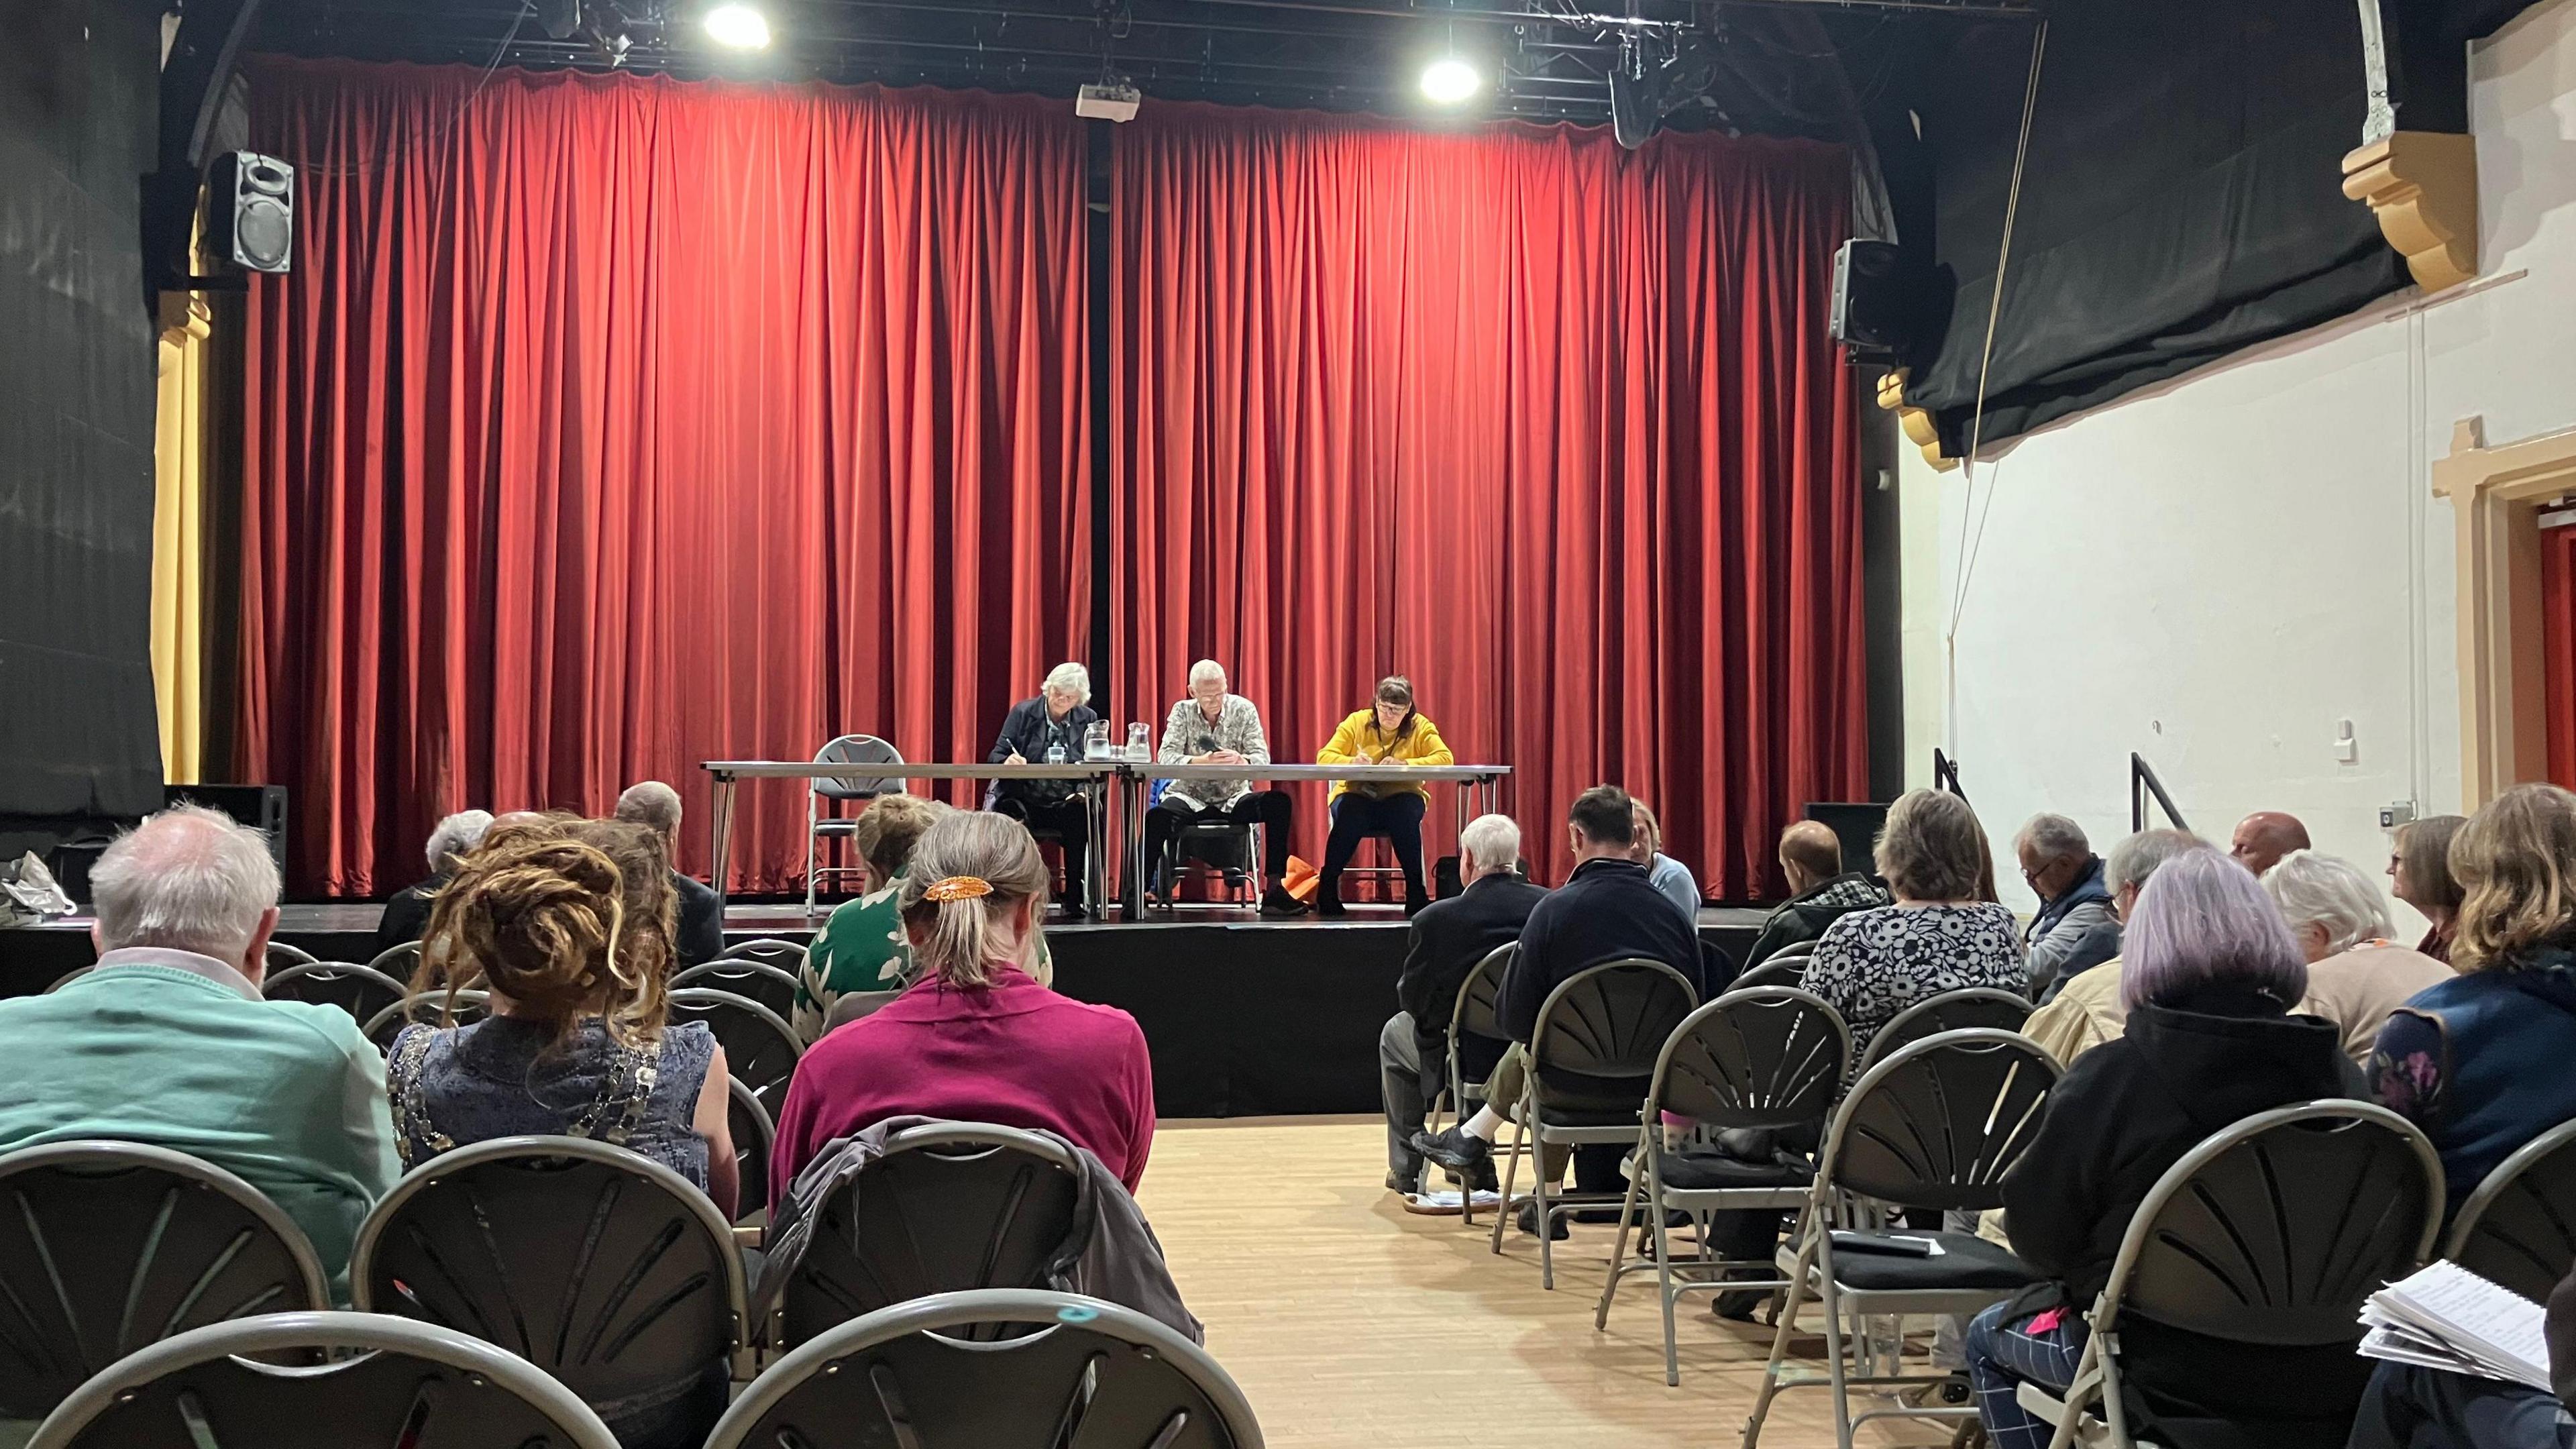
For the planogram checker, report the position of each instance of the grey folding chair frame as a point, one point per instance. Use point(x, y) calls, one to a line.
point(2494, 1234)
point(819, 788)
point(1473, 1006)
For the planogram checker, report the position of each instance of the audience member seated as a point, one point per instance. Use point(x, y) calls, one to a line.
point(1044, 730)
point(861, 947)
point(2059, 866)
point(978, 1038)
point(1664, 873)
point(1212, 727)
point(1606, 911)
point(1938, 937)
point(700, 936)
point(2408, 1407)
point(406, 914)
point(2086, 1009)
point(1821, 892)
point(1389, 732)
point(569, 928)
point(2356, 975)
point(2209, 973)
point(169, 1043)
point(2419, 873)
point(2479, 1061)
point(2262, 838)
point(1447, 940)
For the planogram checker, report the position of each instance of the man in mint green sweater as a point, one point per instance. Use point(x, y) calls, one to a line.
point(168, 1042)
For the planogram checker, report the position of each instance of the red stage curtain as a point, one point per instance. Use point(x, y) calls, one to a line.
point(1552, 427)
point(610, 424)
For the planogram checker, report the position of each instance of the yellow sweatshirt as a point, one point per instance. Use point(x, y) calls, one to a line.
point(1359, 741)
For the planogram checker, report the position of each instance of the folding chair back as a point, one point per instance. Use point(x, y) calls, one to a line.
point(1607, 1024)
point(407, 1383)
point(768, 985)
point(430, 1008)
point(1773, 971)
point(109, 1246)
point(787, 956)
point(1755, 1057)
point(760, 1048)
point(1960, 1010)
point(602, 1267)
point(281, 955)
point(2273, 1231)
point(68, 977)
point(950, 1206)
point(1472, 1014)
point(361, 991)
point(400, 961)
point(1081, 1373)
point(1938, 1123)
point(857, 750)
point(2518, 1229)
point(754, 1133)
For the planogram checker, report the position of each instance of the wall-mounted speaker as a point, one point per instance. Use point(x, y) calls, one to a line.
point(262, 807)
point(1873, 301)
point(250, 211)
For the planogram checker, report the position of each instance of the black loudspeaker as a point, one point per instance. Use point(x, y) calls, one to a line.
point(250, 211)
point(1880, 296)
point(1856, 824)
point(261, 806)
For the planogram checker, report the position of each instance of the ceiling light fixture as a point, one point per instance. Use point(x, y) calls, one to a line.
point(738, 26)
point(1450, 80)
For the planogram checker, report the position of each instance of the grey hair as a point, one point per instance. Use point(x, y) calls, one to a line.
point(189, 879)
point(1931, 847)
point(1205, 668)
point(455, 835)
point(2329, 891)
point(1072, 676)
point(2137, 857)
point(2054, 837)
point(2204, 922)
point(650, 802)
point(1492, 842)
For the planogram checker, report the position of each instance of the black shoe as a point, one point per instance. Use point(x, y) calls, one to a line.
point(1527, 1222)
point(1405, 1181)
point(1483, 1178)
point(1073, 910)
point(1414, 901)
point(1330, 907)
point(1457, 1149)
point(1276, 902)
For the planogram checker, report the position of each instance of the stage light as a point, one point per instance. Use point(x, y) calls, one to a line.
point(1450, 80)
point(739, 26)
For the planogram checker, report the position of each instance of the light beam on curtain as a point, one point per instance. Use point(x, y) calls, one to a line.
point(179, 460)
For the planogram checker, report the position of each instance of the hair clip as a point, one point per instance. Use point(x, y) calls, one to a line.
point(958, 888)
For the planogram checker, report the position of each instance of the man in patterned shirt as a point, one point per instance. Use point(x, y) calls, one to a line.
point(1212, 727)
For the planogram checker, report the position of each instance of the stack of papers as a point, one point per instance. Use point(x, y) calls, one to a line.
point(2447, 1317)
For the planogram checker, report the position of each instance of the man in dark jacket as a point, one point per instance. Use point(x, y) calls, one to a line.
point(1448, 938)
point(406, 915)
point(1606, 911)
point(2059, 865)
point(1033, 731)
point(1820, 892)
point(701, 930)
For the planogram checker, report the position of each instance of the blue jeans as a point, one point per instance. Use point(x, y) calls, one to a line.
point(2003, 1353)
point(2421, 1408)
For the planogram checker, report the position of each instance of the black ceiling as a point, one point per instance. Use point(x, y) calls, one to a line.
point(1797, 67)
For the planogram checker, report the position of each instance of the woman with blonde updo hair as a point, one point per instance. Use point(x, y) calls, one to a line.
point(2478, 1061)
point(977, 1037)
point(568, 923)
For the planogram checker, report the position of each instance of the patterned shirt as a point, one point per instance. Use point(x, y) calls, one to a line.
point(1871, 965)
point(1185, 733)
point(862, 948)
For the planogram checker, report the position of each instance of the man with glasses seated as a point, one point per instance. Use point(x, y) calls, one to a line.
point(1213, 727)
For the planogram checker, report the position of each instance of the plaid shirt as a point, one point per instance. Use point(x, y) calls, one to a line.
point(1238, 728)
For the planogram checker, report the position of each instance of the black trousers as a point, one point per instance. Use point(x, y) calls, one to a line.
point(1070, 822)
point(1271, 808)
point(1356, 817)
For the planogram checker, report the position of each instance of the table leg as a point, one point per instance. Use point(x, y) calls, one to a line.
point(720, 824)
point(1132, 794)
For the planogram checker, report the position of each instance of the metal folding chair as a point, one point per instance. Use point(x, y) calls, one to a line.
point(430, 1008)
point(408, 1383)
point(361, 991)
point(602, 1267)
point(1935, 1125)
point(110, 1246)
point(768, 985)
point(1598, 1036)
point(754, 1133)
point(1080, 1372)
point(2269, 1234)
point(949, 1206)
point(401, 962)
point(281, 955)
point(2518, 1228)
point(1767, 1059)
point(68, 977)
point(761, 1050)
point(1961, 1010)
point(1472, 1015)
point(844, 750)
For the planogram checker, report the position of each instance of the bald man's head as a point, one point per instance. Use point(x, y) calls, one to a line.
point(187, 879)
point(2262, 838)
point(1810, 854)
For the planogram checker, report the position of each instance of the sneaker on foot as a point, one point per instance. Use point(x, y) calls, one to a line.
point(1527, 1221)
point(1276, 902)
point(1457, 1149)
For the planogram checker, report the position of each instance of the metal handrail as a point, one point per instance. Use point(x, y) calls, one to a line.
point(1945, 773)
point(2142, 783)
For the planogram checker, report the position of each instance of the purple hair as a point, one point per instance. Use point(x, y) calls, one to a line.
point(2204, 920)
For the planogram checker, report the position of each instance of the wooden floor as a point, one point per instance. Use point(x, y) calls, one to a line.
point(1352, 1323)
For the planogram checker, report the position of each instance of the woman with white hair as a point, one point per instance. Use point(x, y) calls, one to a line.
point(1049, 730)
point(2356, 974)
point(406, 916)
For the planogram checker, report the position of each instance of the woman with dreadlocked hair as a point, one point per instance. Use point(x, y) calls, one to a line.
point(568, 923)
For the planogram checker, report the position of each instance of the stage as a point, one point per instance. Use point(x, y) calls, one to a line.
point(1246, 1017)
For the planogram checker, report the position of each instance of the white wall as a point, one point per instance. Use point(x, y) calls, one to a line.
point(2217, 571)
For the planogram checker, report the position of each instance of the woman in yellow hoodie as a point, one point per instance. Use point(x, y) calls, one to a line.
point(1391, 732)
